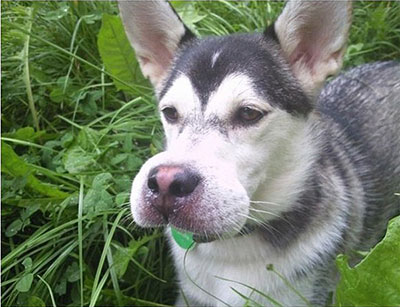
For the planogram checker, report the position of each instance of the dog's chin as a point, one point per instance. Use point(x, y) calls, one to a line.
point(205, 238)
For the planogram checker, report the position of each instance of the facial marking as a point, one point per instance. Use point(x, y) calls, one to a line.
point(235, 91)
point(214, 58)
point(182, 96)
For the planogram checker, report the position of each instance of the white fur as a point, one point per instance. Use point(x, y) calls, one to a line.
point(181, 96)
point(214, 58)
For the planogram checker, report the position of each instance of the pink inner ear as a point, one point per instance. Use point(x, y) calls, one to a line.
point(305, 54)
point(161, 56)
point(312, 42)
point(309, 52)
point(155, 64)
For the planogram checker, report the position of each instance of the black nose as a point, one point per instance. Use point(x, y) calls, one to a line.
point(172, 180)
point(184, 184)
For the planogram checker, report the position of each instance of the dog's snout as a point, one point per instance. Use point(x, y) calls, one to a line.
point(172, 181)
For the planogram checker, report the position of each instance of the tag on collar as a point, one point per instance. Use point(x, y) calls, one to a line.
point(183, 239)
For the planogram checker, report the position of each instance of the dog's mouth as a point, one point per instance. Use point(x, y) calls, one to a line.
point(205, 238)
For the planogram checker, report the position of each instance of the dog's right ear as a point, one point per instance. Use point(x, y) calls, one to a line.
point(155, 32)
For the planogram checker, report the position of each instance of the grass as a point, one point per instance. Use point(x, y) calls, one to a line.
point(72, 141)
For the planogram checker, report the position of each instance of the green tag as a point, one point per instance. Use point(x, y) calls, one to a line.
point(183, 239)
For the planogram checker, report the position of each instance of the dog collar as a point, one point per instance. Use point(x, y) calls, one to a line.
point(188, 240)
point(183, 239)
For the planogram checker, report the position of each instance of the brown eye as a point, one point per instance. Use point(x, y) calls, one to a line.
point(249, 115)
point(171, 114)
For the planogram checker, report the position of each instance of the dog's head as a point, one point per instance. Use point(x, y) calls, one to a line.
point(234, 111)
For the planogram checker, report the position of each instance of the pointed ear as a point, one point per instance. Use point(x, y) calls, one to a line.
point(155, 32)
point(313, 36)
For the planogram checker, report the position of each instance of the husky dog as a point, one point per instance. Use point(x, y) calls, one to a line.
point(263, 163)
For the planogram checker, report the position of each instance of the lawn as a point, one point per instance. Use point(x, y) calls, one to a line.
point(78, 120)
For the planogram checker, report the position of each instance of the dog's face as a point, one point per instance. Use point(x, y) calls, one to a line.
point(223, 124)
point(231, 108)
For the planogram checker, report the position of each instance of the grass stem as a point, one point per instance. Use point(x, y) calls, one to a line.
point(26, 75)
point(80, 239)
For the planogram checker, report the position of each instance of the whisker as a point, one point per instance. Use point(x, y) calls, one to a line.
point(266, 212)
point(264, 202)
point(250, 218)
point(265, 225)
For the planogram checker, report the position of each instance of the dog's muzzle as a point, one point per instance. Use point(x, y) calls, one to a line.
point(206, 200)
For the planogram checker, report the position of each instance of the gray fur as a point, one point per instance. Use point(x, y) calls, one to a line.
point(358, 127)
point(362, 112)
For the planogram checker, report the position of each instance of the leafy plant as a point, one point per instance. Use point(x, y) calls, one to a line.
point(118, 55)
point(375, 281)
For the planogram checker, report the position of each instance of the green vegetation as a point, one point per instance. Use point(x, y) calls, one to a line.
point(78, 120)
point(375, 281)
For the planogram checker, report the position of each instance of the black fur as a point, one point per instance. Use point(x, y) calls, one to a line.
point(255, 55)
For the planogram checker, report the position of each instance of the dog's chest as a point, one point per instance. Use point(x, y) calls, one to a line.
point(229, 271)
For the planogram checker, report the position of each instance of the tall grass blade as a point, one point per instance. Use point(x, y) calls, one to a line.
point(80, 237)
point(50, 291)
point(96, 285)
point(113, 274)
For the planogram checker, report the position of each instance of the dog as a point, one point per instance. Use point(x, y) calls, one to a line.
point(265, 165)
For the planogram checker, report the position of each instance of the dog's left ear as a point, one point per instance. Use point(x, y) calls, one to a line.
point(155, 32)
point(313, 36)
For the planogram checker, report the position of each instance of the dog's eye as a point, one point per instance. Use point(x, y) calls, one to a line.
point(171, 114)
point(249, 115)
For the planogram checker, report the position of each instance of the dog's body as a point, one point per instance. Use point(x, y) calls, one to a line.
point(257, 167)
point(344, 204)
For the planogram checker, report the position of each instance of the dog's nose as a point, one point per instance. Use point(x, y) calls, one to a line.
point(173, 181)
point(170, 185)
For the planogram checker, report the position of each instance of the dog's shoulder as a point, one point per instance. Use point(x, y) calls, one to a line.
point(365, 103)
point(375, 82)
